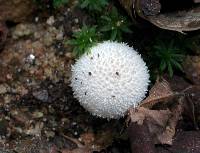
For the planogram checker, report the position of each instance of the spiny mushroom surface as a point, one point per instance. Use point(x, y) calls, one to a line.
point(109, 79)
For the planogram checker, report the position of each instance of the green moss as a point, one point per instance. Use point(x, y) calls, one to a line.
point(113, 24)
point(93, 6)
point(59, 3)
point(84, 39)
point(168, 56)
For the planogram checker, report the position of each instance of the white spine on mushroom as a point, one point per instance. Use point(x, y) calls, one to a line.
point(110, 79)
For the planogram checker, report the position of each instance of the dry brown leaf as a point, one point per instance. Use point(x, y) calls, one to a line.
point(167, 135)
point(177, 83)
point(179, 21)
point(186, 20)
point(161, 123)
point(161, 91)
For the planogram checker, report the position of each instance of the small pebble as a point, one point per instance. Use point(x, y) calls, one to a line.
point(36, 19)
point(30, 59)
point(50, 20)
point(41, 95)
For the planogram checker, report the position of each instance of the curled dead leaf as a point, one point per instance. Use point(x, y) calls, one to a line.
point(178, 19)
point(161, 123)
point(161, 91)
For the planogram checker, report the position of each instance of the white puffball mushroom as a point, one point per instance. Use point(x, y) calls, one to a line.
point(110, 79)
